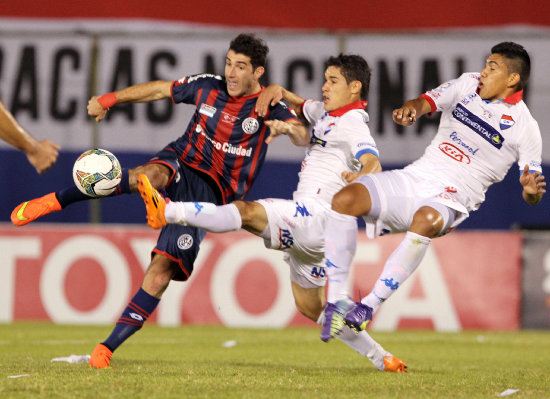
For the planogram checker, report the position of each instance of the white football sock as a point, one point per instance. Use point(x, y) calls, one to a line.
point(361, 343)
point(340, 244)
point(399, 266)
point(204, 215)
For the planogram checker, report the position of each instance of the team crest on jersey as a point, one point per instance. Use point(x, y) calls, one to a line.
point(250, 125)
point(185, 241)
point(506, 121)
point(207, 110)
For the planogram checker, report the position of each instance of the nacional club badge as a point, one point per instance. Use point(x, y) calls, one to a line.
point(250, 125)
point(506, 122)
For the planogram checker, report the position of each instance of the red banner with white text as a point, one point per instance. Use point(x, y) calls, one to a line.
point(86, 275)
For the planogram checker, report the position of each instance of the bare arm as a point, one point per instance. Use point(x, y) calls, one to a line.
point(533, 186)
point(275, 93)
point(41, 154)
point(411, 111)
point(140, 93)
point(296, 132)
point(370, 163)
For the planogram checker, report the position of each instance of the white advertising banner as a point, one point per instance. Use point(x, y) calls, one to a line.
point(46, 80)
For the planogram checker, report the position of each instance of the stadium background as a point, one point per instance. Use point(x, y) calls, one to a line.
point(52, 60)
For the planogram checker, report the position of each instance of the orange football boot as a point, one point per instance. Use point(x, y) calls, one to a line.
point(392, 363)
point(101, 357)
point(154, 203)
point(31, 210)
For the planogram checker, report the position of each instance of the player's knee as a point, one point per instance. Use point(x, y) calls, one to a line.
point(352, 200)
point(427, 222)
point(157, 174)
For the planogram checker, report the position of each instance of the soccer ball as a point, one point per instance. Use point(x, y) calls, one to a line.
point(97, 172)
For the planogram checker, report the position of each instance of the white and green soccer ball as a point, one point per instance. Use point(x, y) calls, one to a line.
point(97, 172)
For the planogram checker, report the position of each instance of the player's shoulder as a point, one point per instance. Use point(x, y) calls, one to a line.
point(202, 79)
point(468, 81)
point(355, 116)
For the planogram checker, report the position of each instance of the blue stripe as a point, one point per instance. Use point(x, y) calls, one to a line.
point(366, 151)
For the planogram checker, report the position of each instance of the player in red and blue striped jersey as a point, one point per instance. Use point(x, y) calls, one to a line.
point(215, 160)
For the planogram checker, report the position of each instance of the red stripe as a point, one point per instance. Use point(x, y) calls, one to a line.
point(192, 131)
point(431, 101)
point(173, 171)
point(131, 322)
point(178, 261)
point(138, 309)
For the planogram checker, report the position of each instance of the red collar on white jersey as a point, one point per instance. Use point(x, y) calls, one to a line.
point(342, 110)
point(514, 98)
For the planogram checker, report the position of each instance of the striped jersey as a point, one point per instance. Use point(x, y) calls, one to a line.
point(226, 137)
point(477, 141)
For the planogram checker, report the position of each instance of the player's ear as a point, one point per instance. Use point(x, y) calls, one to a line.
point(513, 79)
point(258, 72)
point(355, 87)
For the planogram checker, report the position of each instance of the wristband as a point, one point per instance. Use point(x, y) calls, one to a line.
point(107, 100)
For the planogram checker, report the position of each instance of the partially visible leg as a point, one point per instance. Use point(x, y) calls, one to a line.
point(427, 223)
point(156, 280)
point(311, 301)
point(341, 237)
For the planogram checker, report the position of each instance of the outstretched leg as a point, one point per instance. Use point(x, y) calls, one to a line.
point(141, 306)
point(311, 301)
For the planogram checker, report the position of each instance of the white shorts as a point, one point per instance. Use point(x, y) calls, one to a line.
point(396, 195)
point(297, 227)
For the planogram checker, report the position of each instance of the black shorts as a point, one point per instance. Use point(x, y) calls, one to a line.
point(176, 242)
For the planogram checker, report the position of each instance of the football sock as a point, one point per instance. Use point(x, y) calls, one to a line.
point(124, 185)
point(136, 313)
point(204, 215)
point(361, 343)
point(72, 194)
point(399, 266)
point(340, 243)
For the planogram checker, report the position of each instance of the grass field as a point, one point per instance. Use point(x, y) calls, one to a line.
point(191, 362)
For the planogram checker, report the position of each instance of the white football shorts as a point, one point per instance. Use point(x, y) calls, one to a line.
point(297, 227)
point(397, 194)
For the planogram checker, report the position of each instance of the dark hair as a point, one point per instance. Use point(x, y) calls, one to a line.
point(252, 47)
point(353, 67)
point(519, 61)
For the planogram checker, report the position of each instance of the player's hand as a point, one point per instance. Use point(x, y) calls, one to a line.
point(350, 176)
point(43, 155)
point(269, 97)
point(406, 115)
point(277, 128)
point(95, 109)
point(533, 183)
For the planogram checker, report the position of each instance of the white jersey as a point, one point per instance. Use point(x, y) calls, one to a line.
point(477, 142)
point(338, 140)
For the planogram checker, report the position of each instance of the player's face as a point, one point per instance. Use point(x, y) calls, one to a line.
point(494, 81)
point(336, 91)
point(242, 79)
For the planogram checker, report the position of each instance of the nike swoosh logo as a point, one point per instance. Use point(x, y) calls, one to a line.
point(20, 212)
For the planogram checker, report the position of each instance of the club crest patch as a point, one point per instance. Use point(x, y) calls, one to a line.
point(185, 241)
point(250, 125)
point(506, 122)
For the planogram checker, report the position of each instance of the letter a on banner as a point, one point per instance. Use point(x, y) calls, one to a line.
point(436, 304)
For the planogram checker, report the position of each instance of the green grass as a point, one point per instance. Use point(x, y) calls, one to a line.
point(190, 362)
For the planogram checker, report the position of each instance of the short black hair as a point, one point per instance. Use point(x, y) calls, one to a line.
point(519, 61)
point(252, 47)
point(353, 67)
